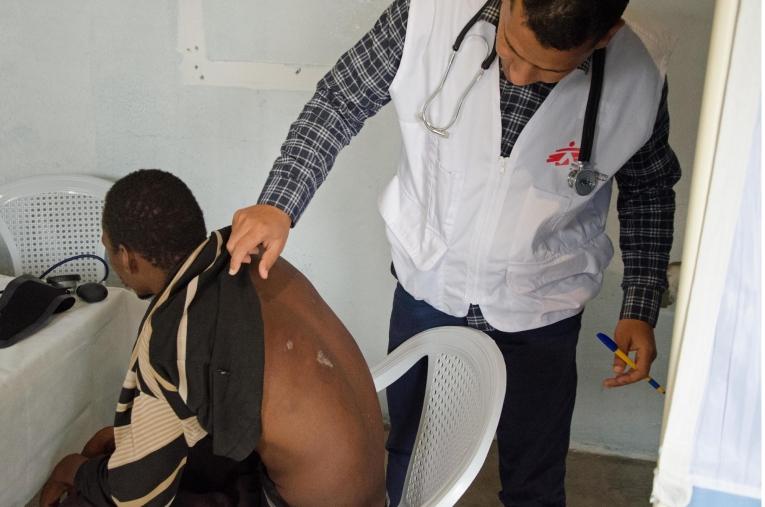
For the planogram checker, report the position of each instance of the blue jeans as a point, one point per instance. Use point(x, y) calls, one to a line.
point(534, 427)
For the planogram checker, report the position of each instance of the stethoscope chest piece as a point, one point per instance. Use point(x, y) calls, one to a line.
point(584, 179)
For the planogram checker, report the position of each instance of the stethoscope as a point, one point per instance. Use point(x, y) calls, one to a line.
point(582, 178)
point(424, 115)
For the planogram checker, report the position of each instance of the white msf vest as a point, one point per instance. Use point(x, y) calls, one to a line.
point(469, 226)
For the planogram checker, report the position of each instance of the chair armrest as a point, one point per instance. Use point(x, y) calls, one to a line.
point(398, 362)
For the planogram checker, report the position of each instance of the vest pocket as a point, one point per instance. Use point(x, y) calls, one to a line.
point(407, 227)
point(442, 187)
point(581, 223)
point(579, 271)
point(538, 214)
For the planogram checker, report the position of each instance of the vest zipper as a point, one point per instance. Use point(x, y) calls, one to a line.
point(485, 238)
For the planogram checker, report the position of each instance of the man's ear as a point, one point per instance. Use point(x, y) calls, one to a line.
point(603, 42)
point(127, 259)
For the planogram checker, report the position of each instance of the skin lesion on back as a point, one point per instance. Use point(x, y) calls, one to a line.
point(323, 360)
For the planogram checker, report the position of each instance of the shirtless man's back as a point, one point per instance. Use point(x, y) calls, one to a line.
point(322, 439)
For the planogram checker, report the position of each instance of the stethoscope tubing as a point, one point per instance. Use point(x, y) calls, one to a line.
point(444, 131)
point(485, 64)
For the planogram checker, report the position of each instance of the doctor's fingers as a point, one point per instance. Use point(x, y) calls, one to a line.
point(619, 365)
point(643, 359)
point(625, 345)
point(242, 250)
point(253, 226)
point(245, 240)
point(271, 252)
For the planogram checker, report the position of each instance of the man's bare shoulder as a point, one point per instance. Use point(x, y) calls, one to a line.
point(284, 281)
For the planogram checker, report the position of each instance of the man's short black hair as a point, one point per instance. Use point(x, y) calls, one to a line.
point(153, 213)
point(568, 24)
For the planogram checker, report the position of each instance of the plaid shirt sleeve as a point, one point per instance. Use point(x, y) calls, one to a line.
point(352, 91)
point(646, 206)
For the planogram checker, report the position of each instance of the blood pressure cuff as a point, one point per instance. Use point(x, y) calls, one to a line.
point(26, 305)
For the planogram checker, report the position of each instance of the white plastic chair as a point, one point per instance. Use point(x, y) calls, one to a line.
point(463, 401)
point(47, 219)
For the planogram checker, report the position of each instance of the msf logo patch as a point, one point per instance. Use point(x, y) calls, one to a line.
point(564, 156)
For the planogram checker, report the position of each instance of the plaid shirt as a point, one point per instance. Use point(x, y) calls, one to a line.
point(357, 87)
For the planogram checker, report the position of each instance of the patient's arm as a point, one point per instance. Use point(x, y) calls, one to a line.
point(100, 443)
point(61, 479)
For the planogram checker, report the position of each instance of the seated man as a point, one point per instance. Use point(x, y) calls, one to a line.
point(232, 378)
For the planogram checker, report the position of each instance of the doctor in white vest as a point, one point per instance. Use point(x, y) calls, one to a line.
point(490, 222)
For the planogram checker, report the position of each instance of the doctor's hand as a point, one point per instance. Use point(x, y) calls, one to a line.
point(253, 227)
point(633, 335)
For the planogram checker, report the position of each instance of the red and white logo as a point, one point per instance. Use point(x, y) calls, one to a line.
point(564, 156)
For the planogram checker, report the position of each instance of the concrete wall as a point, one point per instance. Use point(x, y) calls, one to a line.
point(627, 421)
point(96, 87)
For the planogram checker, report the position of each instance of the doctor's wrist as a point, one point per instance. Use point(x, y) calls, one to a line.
point(641, 303)
point(287, 194)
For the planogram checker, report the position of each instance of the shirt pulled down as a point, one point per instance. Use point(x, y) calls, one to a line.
point(195, 376)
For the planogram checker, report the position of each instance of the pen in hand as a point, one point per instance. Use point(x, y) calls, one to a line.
point(608, 342)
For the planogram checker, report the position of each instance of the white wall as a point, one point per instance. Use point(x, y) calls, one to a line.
point(627, 421)
point(94, 87)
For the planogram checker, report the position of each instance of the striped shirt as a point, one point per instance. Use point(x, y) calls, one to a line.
point(196, 373)
point(357, 87)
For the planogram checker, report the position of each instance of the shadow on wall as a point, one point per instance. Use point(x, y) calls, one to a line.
point(673, 277)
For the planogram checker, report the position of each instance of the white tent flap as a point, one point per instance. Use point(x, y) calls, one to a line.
point(728, 440)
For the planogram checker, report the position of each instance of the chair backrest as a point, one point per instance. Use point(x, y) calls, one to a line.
point(47, 219)
point(463, 401)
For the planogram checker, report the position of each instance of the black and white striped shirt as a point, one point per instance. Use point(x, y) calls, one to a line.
point(179, 408)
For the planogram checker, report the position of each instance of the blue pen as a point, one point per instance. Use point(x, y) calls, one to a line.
point(608, 342)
